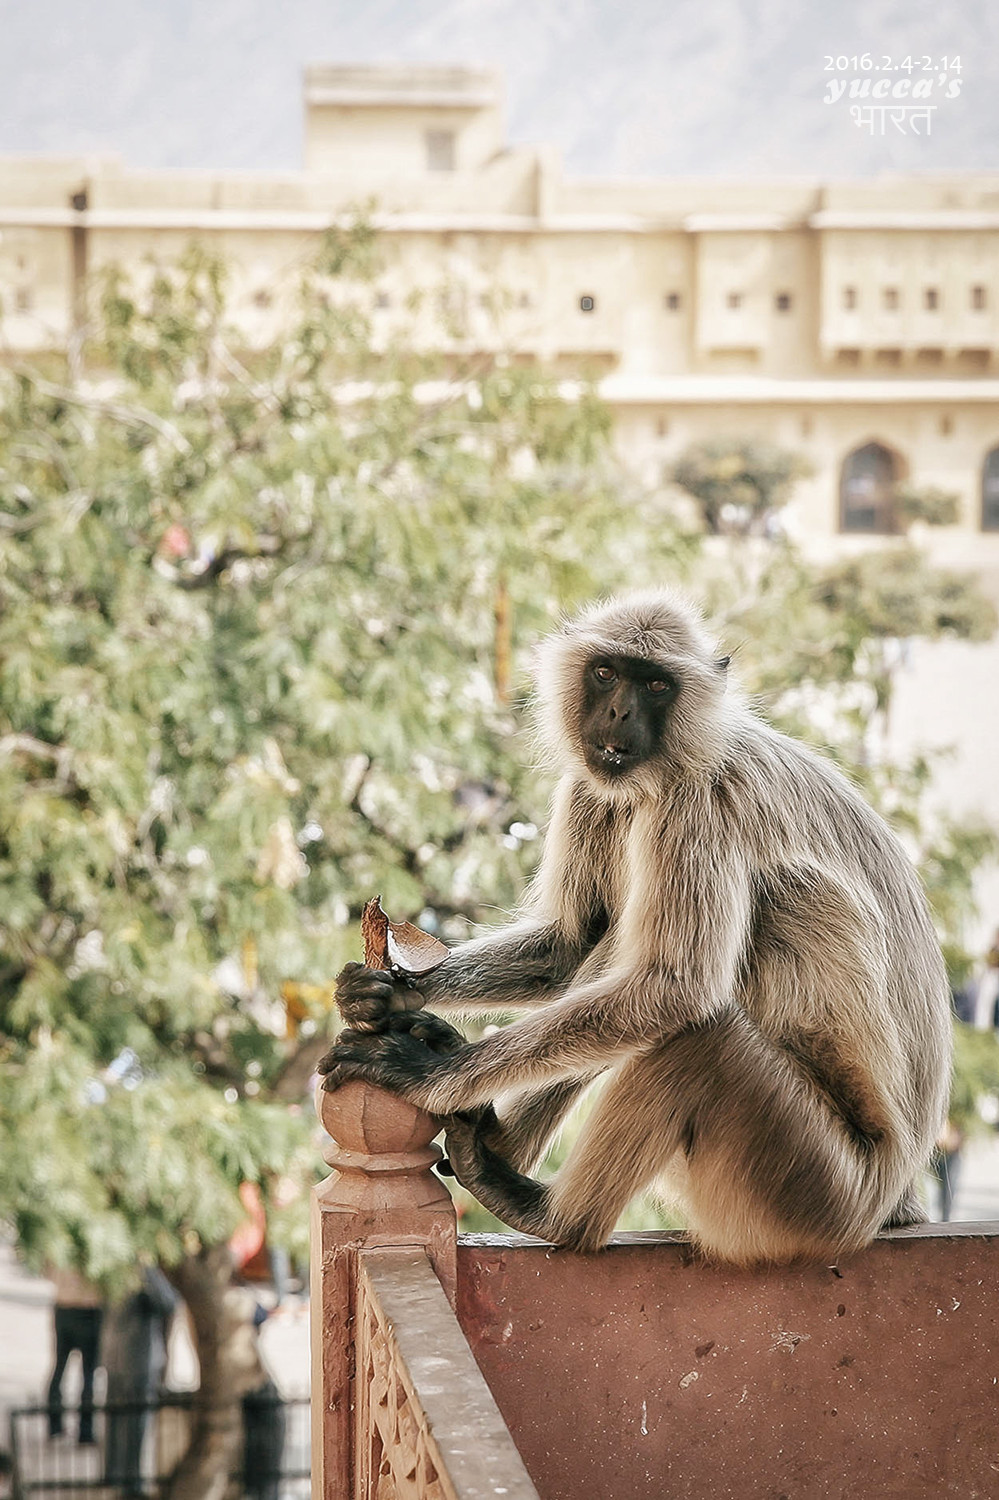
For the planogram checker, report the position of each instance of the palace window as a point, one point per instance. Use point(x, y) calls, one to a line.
point(440, 150)
point(734, 300)
point(867, 489)
point(978, 298)
point(990, 491)
point(587, 304)
point(672, 301)
point(849, 298)
point(889, 298)
point(782, 302)
point(931, 298)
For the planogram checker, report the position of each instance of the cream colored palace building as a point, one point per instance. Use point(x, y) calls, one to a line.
point(856, 322)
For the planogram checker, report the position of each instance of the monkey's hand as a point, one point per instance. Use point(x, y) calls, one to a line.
point(436, 1033)
point(395, 1060)
point(371, 999)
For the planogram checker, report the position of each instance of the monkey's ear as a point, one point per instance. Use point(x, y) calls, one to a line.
point(722, 663)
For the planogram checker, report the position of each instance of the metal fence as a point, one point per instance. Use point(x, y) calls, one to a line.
point(137, 1446)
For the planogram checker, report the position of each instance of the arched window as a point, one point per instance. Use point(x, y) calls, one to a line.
point(867, 489)
point(990, 491)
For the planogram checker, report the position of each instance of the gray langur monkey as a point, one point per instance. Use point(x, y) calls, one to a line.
point(723, 925)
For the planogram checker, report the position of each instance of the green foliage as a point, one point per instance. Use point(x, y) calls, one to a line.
point(253, 611)
point(933, 506)
point(739, 484)
point(950, 854)
point(976, 1075)
point(248, 662)
point(116, 1170)
point(896, 592)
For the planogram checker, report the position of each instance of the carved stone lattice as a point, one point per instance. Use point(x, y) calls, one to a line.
point(400, 1409)
point(426, 1424)
point(403, 1459)
point(382, 1191)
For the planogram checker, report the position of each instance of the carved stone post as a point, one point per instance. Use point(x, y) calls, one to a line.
point(381, 1192)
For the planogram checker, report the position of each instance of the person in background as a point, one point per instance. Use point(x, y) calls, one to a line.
point(78, 1312)
point(945, 1166)
point(264, 1433)
point(135, 1359)
point(991, 980)
point(986, 1016)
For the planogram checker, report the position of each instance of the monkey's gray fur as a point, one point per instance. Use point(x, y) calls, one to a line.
point(733, 933)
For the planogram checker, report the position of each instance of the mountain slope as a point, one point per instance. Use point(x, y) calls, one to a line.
point(698, 86)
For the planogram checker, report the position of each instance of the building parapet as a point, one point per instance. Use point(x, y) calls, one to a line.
point(655, 390)
point(935, 218)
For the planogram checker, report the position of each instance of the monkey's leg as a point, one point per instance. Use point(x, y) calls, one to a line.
point(772, 1167)
point(769, 1169)
point(523, 1128)
point(515, 1199)
point(519, 1131)
point(908, 1211)
point(616, 1155)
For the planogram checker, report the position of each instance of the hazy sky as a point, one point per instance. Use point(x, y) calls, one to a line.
point(649, 87)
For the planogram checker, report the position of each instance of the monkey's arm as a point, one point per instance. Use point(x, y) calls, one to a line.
point(683, 931)
point(519, 967)
point(577, 1034)
point(524, 965)
point(592, 1026)
point(534, 960)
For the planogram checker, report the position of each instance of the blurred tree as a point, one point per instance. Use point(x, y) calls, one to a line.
point(929, 504)
point(739, 484)
point(258, 611)
point(976, 1078)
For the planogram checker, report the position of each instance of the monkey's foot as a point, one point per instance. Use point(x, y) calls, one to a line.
point(517, 1200)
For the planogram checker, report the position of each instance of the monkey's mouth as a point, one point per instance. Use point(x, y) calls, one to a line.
point(612, 760)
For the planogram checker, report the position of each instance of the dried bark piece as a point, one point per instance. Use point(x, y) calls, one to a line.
point(413, 951)
point(374, 932)
point(398, 946)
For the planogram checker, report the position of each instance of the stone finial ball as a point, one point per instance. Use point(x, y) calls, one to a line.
point(362, 1117)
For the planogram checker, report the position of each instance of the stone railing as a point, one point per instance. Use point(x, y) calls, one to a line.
point(638, 1373)
point(400, 1410)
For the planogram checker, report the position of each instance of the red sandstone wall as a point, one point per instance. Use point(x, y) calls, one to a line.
point(637, 1375)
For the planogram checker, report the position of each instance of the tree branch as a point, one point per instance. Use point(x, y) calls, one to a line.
point(135, 416)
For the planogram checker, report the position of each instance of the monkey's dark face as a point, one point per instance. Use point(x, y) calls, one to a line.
point(625, 707)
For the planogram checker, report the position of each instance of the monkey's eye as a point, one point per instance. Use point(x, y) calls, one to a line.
point(658, 686)
point(604, 673)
